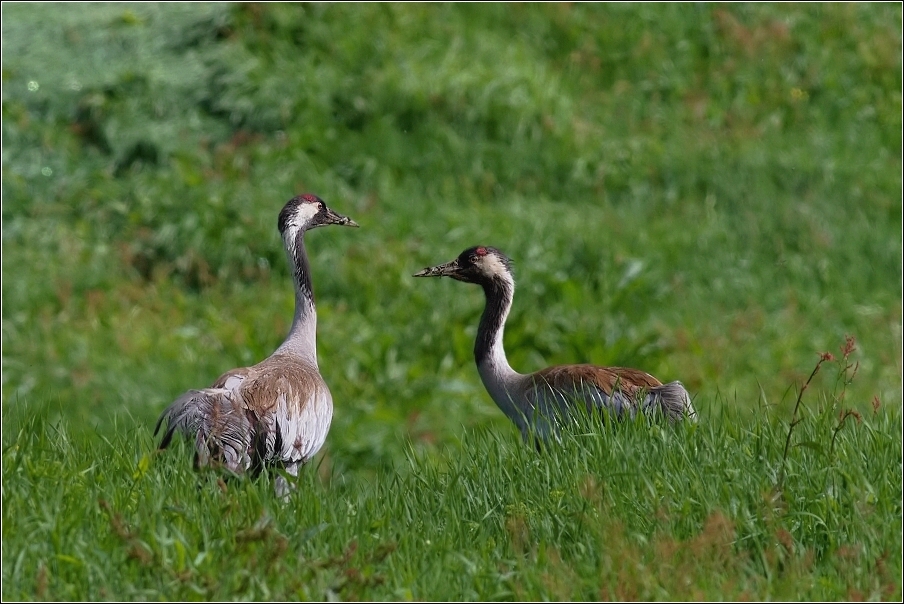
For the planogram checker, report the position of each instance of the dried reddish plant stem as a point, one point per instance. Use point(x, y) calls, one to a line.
point(846, 349)
point(825, 356)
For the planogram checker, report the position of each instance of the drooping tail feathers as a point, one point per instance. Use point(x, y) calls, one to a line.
point(219, 425)
point(672, 401)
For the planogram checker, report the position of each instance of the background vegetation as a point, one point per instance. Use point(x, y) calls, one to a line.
point(711, 193)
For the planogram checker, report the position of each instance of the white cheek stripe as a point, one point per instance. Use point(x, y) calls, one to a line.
point(303, 215)
point(306, 212)
point(300, 220)
point(492, 266)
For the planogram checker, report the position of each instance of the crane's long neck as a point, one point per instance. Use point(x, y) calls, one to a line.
point(500, 380)
point(302, 338)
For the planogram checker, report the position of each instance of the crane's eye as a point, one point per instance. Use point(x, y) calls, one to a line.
point(472, 258)
point(320, 205)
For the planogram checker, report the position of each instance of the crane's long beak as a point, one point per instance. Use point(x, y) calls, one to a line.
point(440, 270)
point(337, 218)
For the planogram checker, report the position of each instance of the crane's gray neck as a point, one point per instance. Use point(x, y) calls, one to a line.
point(302, 338)
point(501, 381)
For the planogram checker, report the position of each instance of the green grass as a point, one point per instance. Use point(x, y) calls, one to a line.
point(631, 511)
point(711, 193)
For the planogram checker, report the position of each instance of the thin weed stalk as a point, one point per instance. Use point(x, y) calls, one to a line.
point(846, 373)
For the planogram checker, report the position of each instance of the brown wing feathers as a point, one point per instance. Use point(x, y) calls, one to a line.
point(608, 379)
point(279, 376)
point(237, 421)
point(621, 385)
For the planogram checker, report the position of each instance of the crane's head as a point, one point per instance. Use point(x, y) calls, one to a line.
point(308, 211)
point(480, 264)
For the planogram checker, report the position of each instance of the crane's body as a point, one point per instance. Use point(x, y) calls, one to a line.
point(276, 413)
point(537, 402)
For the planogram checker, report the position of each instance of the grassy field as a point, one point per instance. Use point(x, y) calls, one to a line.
point(711, 193)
